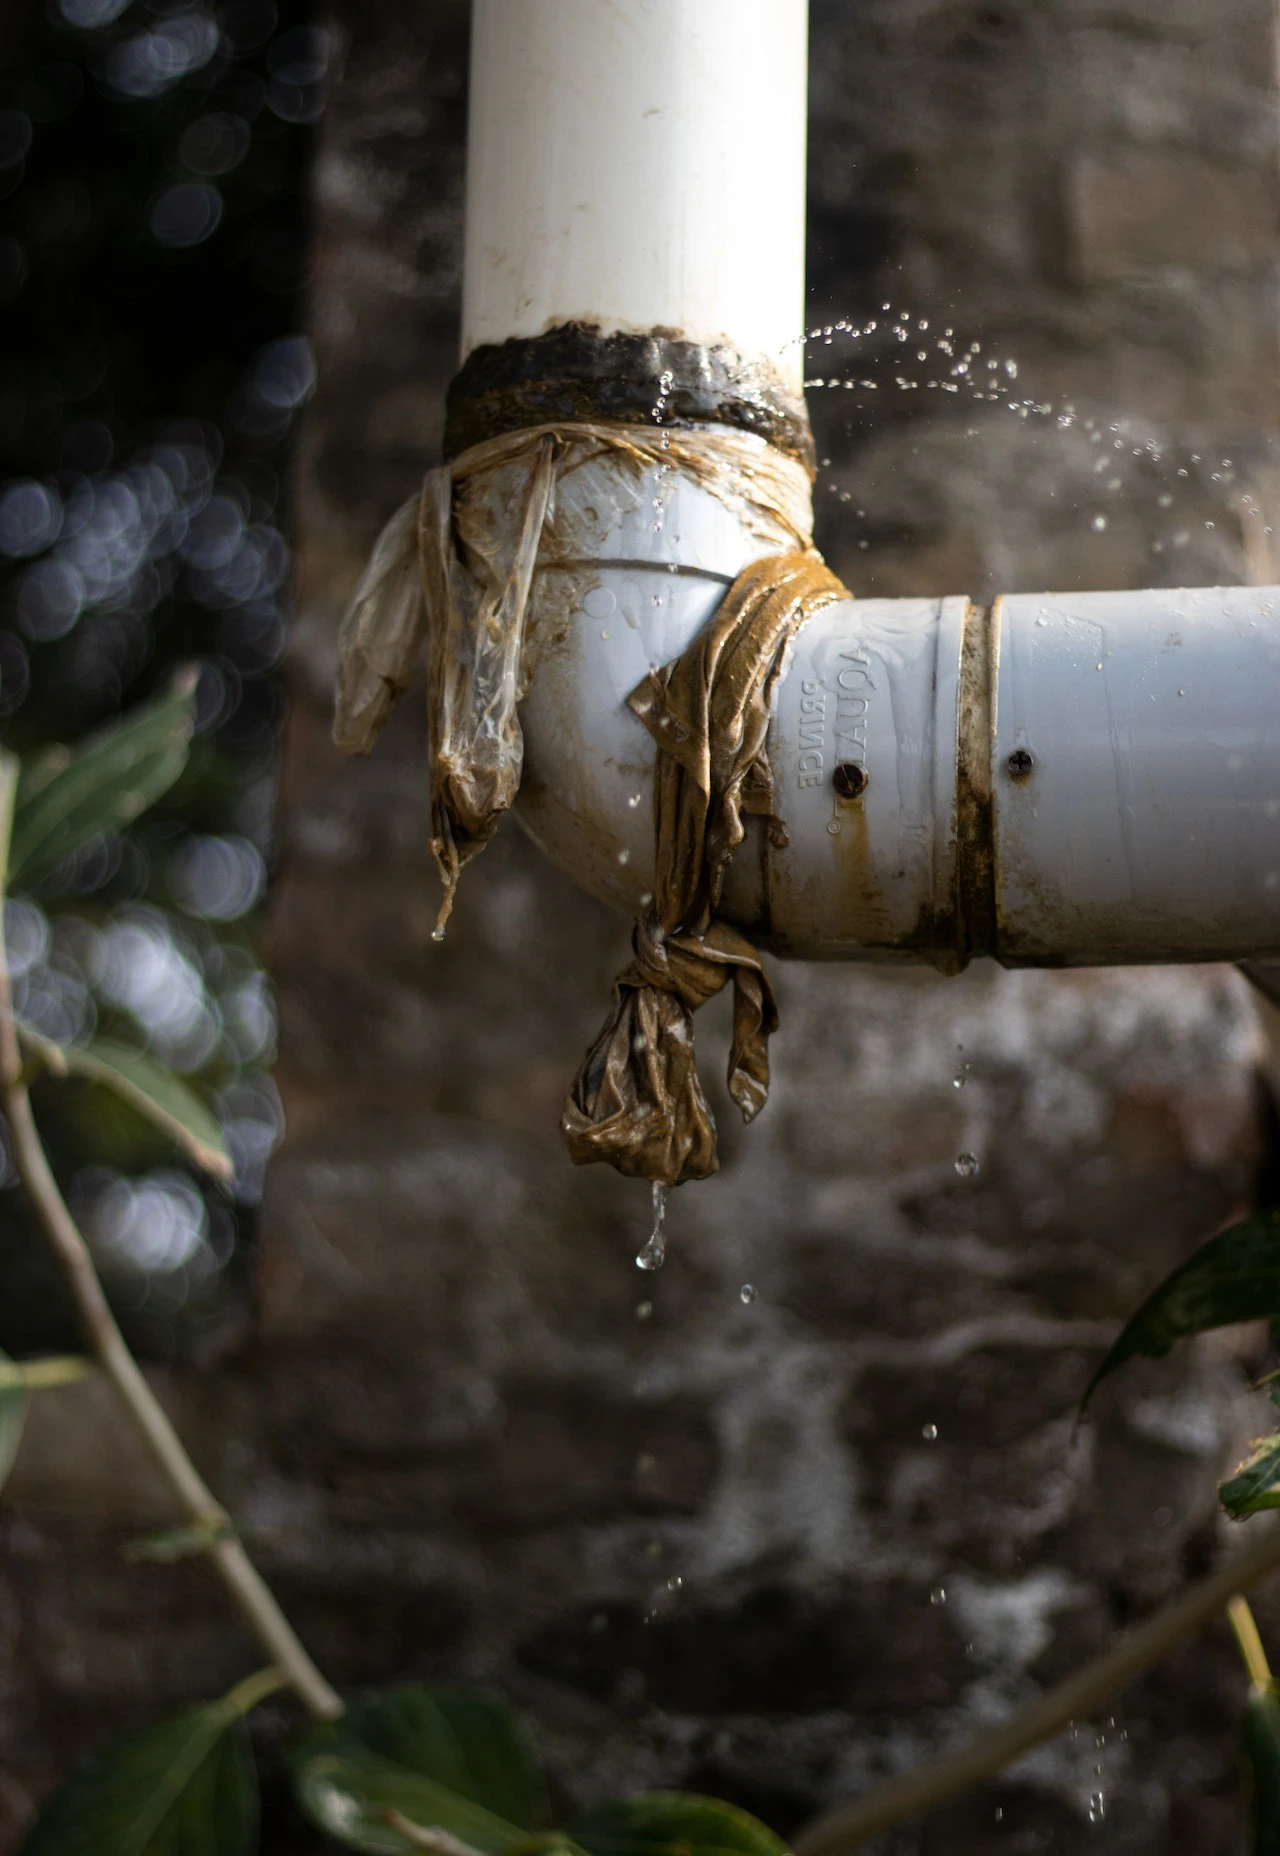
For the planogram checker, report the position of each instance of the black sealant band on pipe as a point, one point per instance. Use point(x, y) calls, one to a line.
point(578, 372)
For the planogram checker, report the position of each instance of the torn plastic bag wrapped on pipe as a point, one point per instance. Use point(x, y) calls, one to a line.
point(637, 1102)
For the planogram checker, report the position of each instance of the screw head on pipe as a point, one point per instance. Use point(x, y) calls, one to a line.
point(1021, 764)
point(850, 779)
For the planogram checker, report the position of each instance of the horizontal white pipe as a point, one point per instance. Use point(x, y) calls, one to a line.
point(638, 164)
point(1152, 816)
point(1143, 823)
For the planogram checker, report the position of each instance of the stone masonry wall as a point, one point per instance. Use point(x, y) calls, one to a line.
point(769, 1548)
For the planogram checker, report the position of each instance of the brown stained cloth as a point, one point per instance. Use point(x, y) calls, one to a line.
point(476, 583)
point(455, 565)
point(637, 1101)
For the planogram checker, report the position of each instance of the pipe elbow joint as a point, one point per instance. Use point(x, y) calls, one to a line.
point(1077, 779)
point(860, 856)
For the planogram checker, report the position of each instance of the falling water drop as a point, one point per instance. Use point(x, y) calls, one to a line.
point(747, 1294)
point(1097, 1807)
point(437, 933)
point(643, 1310)
point(674, 1582)
point(938, 1596)
point(654, 1253)
point(966, 1165)
point(929, 1432)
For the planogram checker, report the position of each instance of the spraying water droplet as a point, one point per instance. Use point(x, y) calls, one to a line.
point(747, 1294)
point(938, 1596)
point(654, 1253)
point(966, 1165)
point(674, 1582)
point(1097, 1807)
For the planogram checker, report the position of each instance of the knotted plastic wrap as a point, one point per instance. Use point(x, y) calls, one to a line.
point(442, 566)
point(637, 1101)
point(455, 565)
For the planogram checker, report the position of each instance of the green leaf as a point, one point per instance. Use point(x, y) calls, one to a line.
point(1234, 1277)
point(466, 1742)
point(56, 1369)
point(68, 797)
point(672, 1824)
point(163, 1098)
point(1256, 1484)
point(442, 1757)
point(186, 1787)
point(1262, 1751)
point(13, 1414)
point(349, 1795)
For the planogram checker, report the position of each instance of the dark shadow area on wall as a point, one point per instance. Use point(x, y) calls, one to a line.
point(153, 255)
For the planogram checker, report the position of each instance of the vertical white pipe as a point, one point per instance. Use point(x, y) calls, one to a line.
point(638, 164)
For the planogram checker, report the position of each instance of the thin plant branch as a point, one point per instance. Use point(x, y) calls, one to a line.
point(1254, 1656)
point(108, 1348)
point(911, 1794)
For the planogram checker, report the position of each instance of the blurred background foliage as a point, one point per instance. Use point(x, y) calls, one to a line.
point(153, 256)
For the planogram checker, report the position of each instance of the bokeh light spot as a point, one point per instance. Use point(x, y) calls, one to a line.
point(30, 517)
point(186, 215)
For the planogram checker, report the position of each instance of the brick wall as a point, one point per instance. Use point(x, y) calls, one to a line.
point(718, 1543)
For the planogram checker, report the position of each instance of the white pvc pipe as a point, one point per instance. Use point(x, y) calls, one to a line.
point(1144, 824)
point(639, 165)
point(1151, 818)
